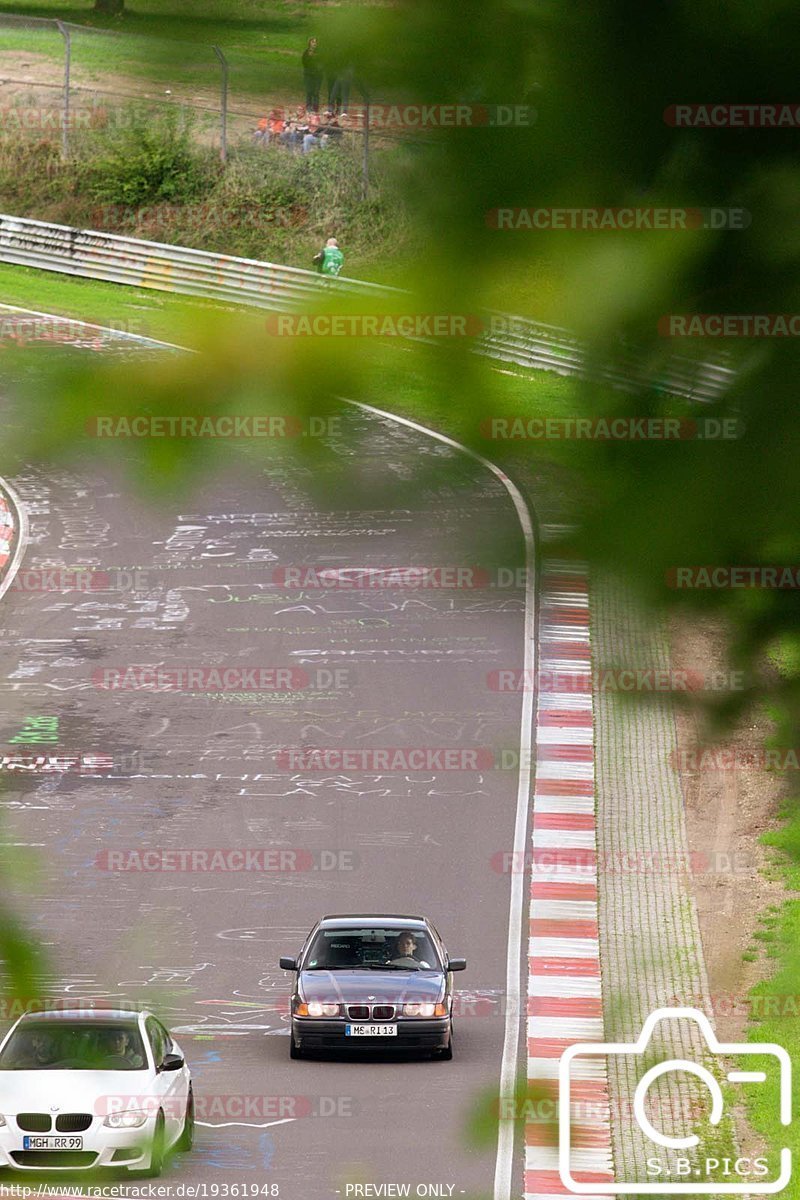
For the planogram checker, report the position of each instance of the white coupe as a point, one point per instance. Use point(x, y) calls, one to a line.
point(92, 1088)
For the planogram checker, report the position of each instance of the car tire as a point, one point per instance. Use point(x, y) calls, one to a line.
point(156, 1150)
point(186, 1140)
point(295, 1051)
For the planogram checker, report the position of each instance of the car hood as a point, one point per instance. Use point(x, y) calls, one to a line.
point(71, 1091)
point(371, 987)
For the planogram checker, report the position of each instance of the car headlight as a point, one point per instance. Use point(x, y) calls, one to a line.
point(424, 1009)
point(129, 1119)
point(316, 1008)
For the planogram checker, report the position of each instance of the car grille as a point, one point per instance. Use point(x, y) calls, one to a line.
point(34, 1122)
point(370, 1012)
point(73, 1122)
point(53, 1158)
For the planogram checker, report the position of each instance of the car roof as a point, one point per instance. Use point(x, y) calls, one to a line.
point(353, 920)
point(98, 1015)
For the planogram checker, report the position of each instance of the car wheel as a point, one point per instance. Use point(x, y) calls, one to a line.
point(156, 1150)
point(186, 1140)
point(295, 1051)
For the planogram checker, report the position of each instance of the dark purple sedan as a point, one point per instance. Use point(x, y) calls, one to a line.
point(382, 981)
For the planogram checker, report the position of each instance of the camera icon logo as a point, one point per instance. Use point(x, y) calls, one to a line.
point(694, 1186)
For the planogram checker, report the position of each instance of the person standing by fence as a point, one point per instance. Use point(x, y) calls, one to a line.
point(312, 74)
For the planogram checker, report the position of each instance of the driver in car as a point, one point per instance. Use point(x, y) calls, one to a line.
point(405, 948)
point(43, 1050)
point(121, 1046)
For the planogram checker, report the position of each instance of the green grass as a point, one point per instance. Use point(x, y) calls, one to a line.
point(775, 1003)
point(139, 310)
point(785, 655)
point(240, 24)
point(390, 377)
point(262, 41)
point(161, 63)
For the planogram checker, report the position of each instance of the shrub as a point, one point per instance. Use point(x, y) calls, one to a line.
point(145, 159)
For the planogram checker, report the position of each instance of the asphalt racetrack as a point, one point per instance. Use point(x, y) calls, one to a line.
point(195, 582)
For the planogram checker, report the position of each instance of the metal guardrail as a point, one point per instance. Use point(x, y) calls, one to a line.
point(548, 347)
point(113, 258)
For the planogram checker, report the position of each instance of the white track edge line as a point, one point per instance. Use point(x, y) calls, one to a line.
point(21, 540)
point(120, 333)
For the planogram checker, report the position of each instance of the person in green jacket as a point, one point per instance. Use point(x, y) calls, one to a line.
point(332, 258)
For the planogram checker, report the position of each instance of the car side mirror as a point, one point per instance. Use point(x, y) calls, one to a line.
point(171, 1062)
point(457, 964)
point(289, 964)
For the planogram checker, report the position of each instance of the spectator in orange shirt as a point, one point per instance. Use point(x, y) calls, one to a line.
point(276, 124)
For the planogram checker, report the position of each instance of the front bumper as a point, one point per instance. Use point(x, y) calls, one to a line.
point(119, 1149)
point(412, 1034)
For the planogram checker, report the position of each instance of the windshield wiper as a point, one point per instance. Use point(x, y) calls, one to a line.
point(340, 967)
point(390, 967)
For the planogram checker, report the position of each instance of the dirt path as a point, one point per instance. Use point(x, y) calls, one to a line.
point(727, 811)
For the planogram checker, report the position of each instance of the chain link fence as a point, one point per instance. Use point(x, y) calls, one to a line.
point(70, 81)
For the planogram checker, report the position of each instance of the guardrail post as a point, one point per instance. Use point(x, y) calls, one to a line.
point(223, 131)
point(62, 29)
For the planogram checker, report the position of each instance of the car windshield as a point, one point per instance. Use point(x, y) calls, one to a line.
point(372, 948)
point(75, 1046)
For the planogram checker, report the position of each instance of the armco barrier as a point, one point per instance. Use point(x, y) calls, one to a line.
point(110, 257)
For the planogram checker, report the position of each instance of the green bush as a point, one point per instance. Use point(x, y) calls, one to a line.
point(145, 159)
